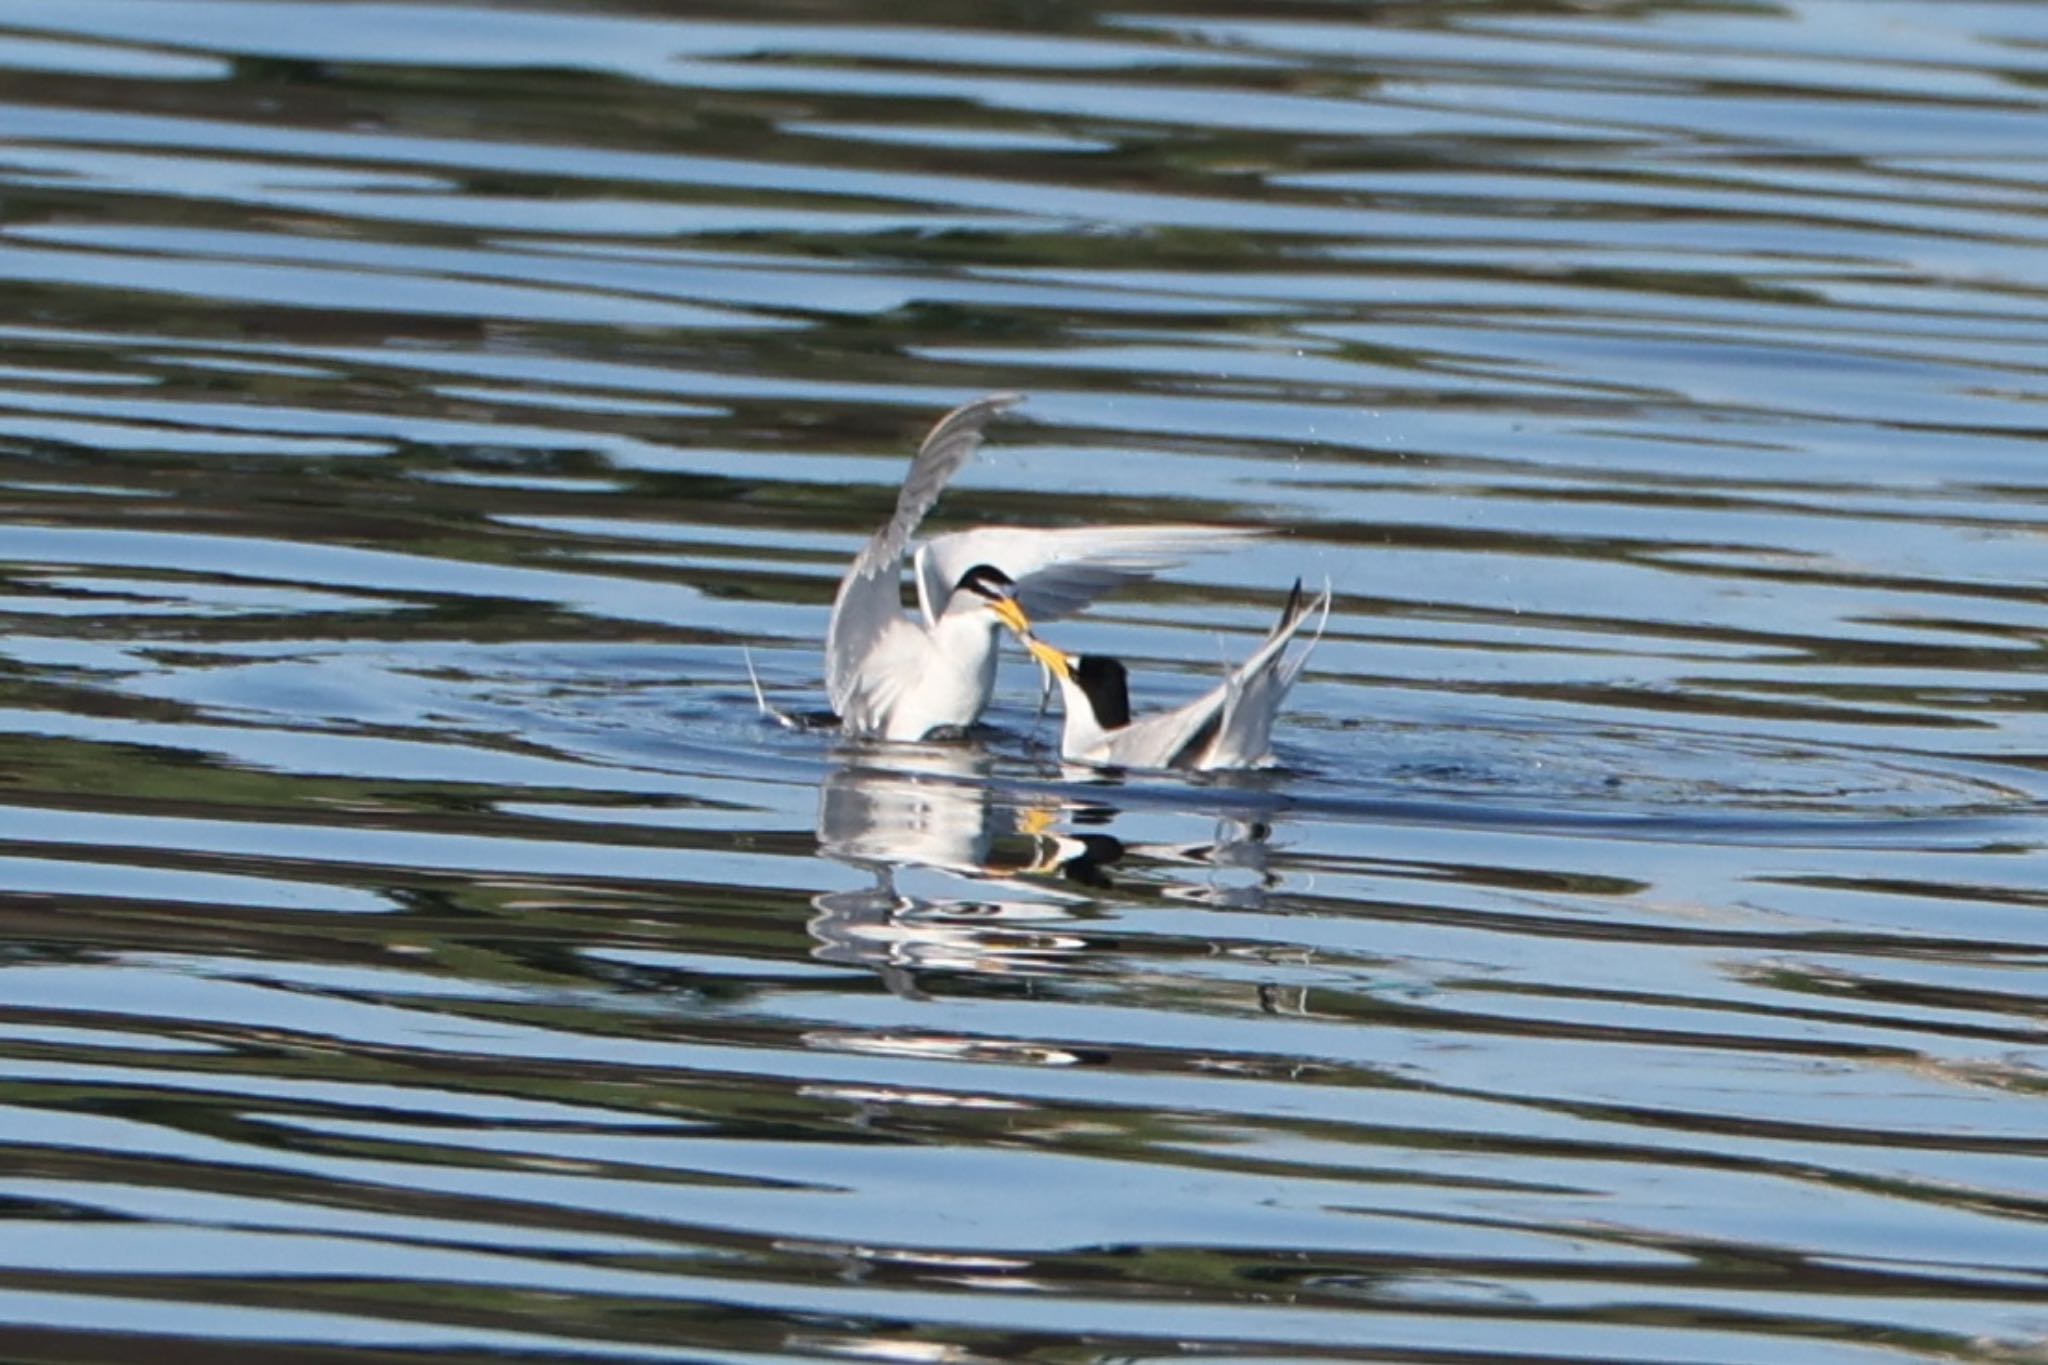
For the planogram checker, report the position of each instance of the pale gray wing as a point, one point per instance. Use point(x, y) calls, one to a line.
point(1060, 572)
point(869, 598)
point(1169, 739)
point(1257, 687)
point(891, 662)
point(1320, 609)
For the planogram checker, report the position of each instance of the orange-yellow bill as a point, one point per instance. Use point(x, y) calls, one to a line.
point(1012, 615)
point(1051, 659)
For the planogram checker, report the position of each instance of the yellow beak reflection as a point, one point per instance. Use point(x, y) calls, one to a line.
point(1012, 615)
point(1052, 660)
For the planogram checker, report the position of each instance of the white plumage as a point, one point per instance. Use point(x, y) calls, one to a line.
point(1230, 726)
point(899, 677)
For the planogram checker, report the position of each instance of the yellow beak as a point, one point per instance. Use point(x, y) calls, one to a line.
point(1011, 615)
point(1052, 660)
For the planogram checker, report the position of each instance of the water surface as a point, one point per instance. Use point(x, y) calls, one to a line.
point(417, 944)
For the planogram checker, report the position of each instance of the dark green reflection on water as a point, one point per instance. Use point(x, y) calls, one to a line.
point(414, 941)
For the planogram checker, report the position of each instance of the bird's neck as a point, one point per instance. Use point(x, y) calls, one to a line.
point(1080, 730)
point(967, 640)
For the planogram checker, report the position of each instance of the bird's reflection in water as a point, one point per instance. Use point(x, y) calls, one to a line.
point(1036, 865)
point(904, 806)
point(1240, 845)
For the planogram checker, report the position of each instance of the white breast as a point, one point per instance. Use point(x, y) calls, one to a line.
point(950, 679)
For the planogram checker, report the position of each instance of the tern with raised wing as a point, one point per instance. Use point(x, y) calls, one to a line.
point(895, 676)
point(1230, 726)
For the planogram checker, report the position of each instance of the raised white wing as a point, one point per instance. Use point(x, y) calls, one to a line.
point(1230, 725)
point(869, 602)
point(1256, 687)
point(1060, 572)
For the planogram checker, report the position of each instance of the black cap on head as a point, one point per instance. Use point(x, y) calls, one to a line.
point(986, 580)
point(1107, 686)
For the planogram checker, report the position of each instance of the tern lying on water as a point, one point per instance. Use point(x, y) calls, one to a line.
point(1229, 727)
point(892, 676)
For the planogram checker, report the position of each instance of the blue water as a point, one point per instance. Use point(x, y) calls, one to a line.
point(416, 944)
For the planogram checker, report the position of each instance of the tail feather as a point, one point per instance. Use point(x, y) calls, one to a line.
point(780, 717)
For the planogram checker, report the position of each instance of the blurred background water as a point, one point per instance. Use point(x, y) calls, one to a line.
point(415, 944)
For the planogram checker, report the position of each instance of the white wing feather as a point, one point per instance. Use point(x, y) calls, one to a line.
point(1241, 708)
point(1256, 688)
point(1060, 572)
point(1162, 740)
point(868, 609)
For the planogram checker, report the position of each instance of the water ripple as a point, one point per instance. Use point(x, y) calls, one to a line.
point(417, 942)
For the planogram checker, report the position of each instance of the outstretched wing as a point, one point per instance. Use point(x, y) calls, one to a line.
point(1231, 724)
point(869, 602)
point(1060, 572)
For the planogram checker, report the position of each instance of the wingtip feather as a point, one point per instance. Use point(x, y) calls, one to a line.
point(971, 415)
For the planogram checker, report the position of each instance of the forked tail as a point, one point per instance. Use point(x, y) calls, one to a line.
point(780, 717)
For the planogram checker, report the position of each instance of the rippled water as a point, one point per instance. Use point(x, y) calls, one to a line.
point(415, 942)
